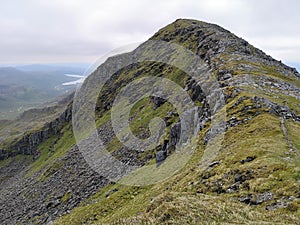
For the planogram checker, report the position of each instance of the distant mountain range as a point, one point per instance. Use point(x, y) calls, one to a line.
point(25, 86)
point(66, 67)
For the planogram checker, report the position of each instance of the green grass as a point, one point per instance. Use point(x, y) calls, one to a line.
point(189, 197)
point(17, 158)
point(193, 195)
point(294, 133)
point(5, 162)
point(196, 195)
point(31, 121)
point(52, 149)
point(66, 196)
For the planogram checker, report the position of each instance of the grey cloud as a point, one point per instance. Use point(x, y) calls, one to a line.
point(41, 31)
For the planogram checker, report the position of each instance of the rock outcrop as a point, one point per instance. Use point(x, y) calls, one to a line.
point(253, 84)
point(27, 145)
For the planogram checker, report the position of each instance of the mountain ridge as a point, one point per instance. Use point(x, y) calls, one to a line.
point(258, 164)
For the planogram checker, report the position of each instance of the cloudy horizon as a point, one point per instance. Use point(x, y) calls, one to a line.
point(81, 31)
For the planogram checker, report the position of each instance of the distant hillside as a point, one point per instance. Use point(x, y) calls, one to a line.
point(52, 67)
point(29, 86)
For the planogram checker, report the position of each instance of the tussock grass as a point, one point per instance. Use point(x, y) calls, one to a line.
point(189, 196)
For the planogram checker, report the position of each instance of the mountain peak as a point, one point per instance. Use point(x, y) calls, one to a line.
point(253, 178)
point(217, 45)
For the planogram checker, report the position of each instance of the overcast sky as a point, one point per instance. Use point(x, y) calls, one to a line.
point(35, 31)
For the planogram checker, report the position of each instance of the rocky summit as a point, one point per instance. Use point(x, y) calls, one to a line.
point(253, 177)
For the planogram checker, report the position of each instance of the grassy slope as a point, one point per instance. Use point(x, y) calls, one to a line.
point(193, 195)
point(190, 195)
point(31, 120)
point(196, 196)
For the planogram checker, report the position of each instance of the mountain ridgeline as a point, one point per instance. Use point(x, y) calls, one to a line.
point(254, 177)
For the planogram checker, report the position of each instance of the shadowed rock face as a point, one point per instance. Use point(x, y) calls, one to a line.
point(251, 81)
point(28, 144)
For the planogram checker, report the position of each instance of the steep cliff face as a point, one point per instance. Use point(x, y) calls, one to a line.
point(255, 176)
point(33, 127)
